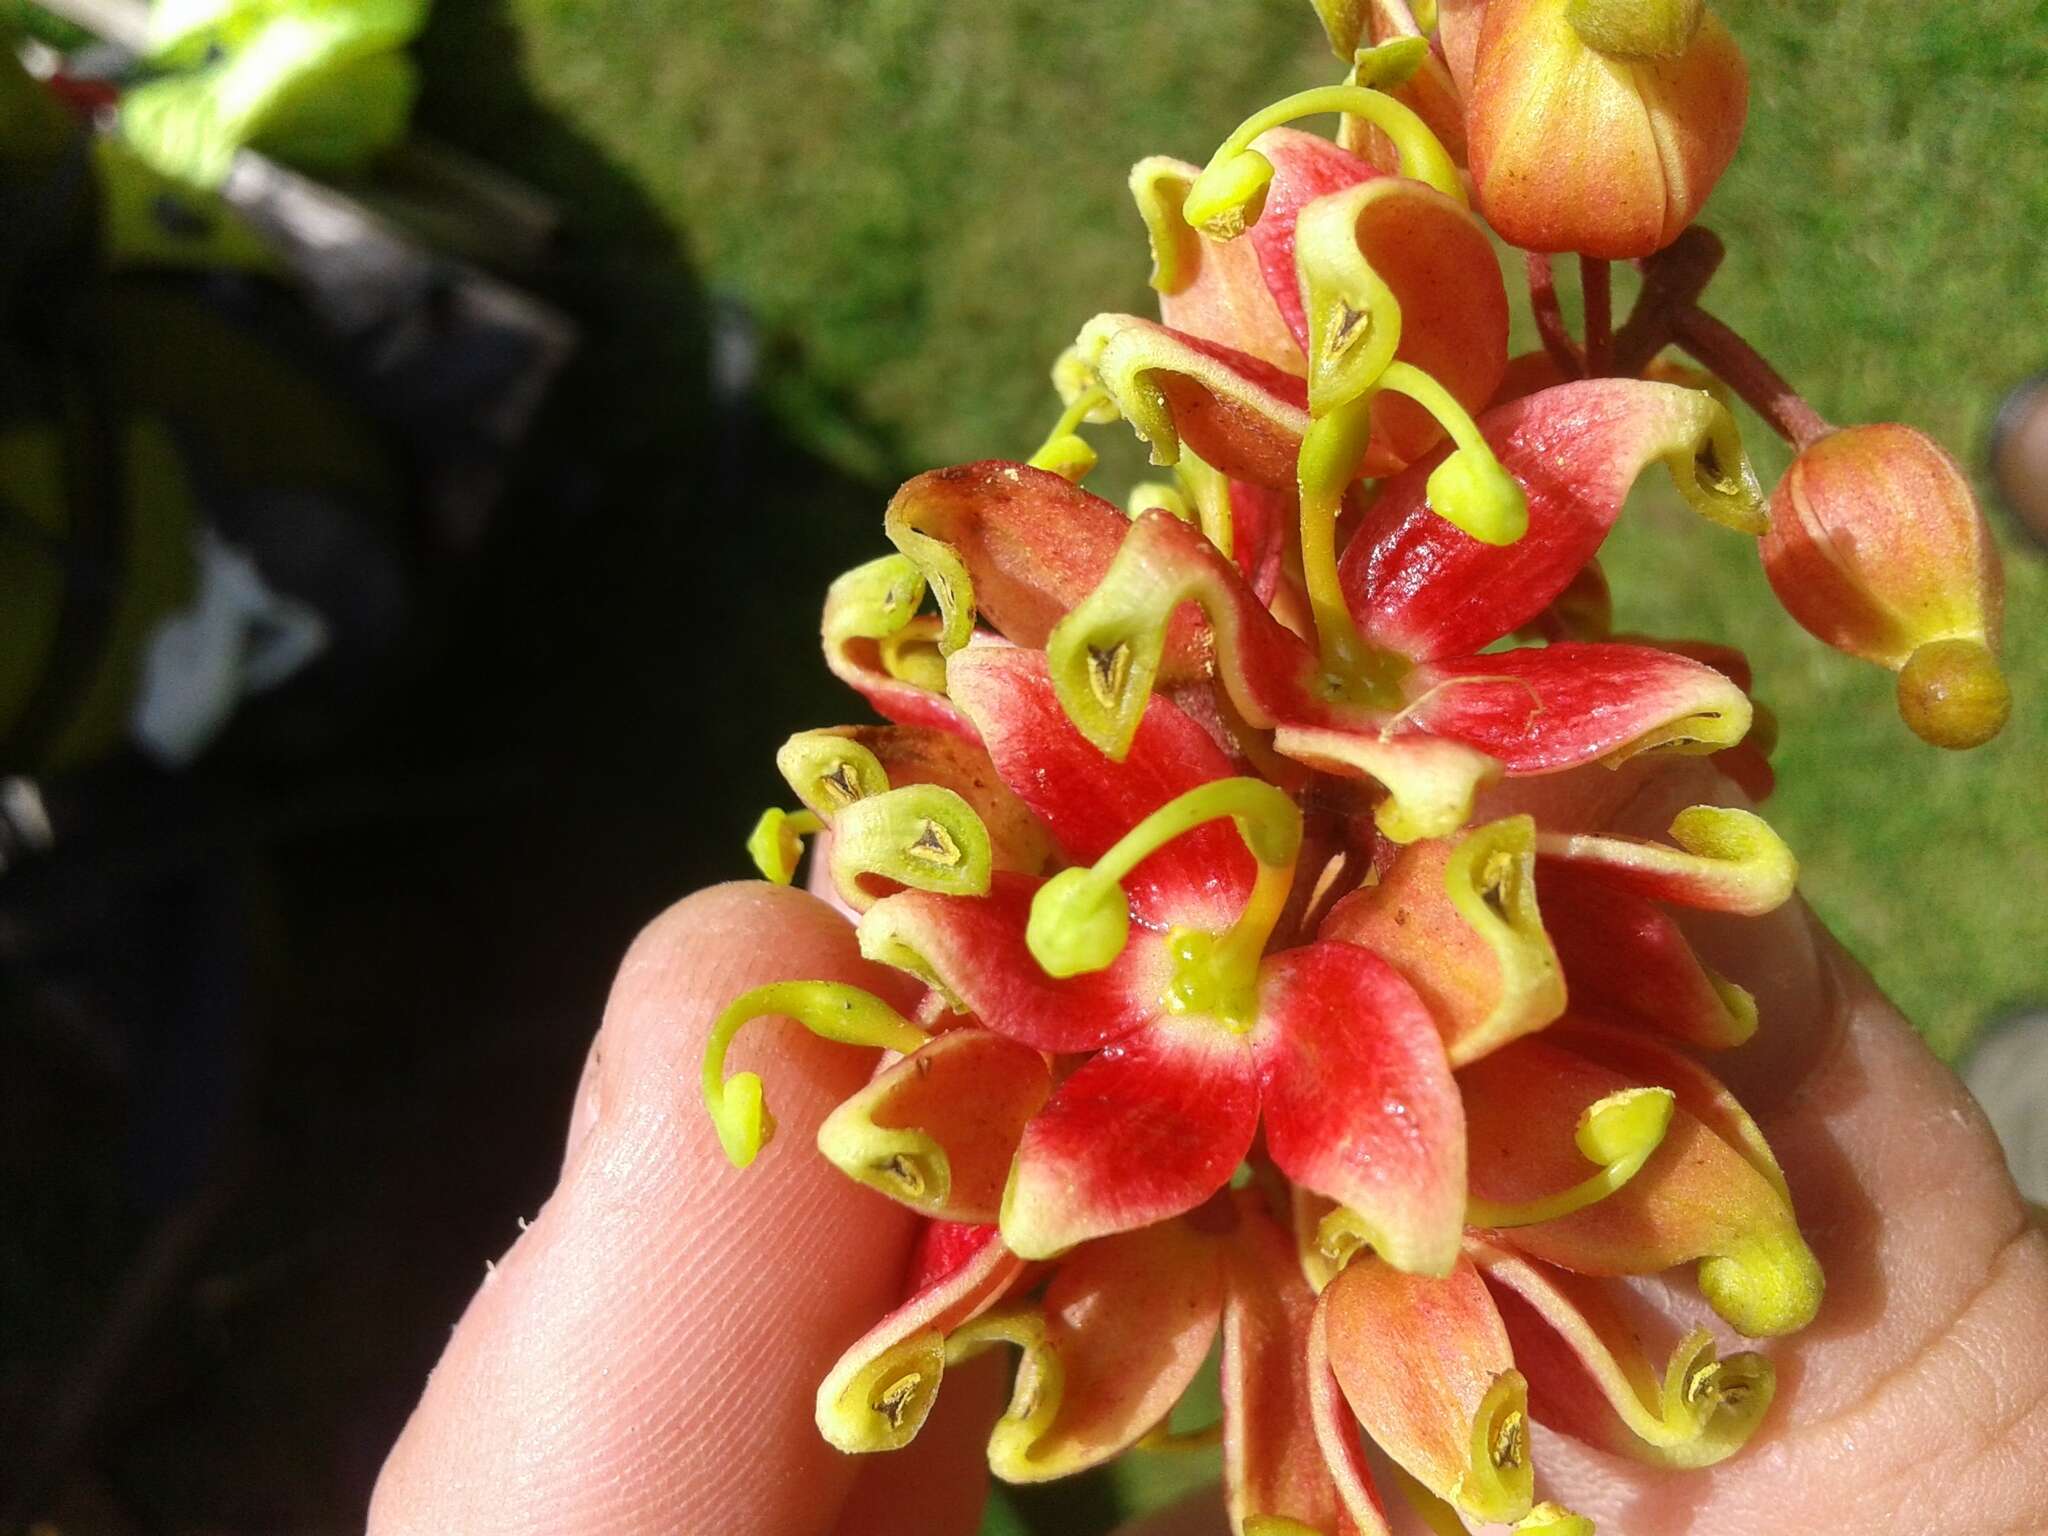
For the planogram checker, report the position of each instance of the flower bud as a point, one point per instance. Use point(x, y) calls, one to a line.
point(1600, 126)
point(1877, 547)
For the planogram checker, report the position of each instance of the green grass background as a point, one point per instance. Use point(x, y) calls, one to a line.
point(922, 202)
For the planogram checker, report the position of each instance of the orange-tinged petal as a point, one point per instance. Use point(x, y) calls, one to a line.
point(1240, 413)
point(1726, 860)
point(1273, 1467)
point(878, 1395)
point(1697, 1091)
point(1015, 545)
point(1696, 1198)
point(1624, 958)
point(1147, 1128)
point(937, 1129)
point(1591, 1377)
point(1119, 1335)
point(1359, 1100)
point(1573, 149)
point(1459, 920)
point(1425, 1363)
point(1209, 288)
point(1336, 1433)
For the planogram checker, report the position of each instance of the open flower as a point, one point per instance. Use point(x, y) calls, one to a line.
point(1195, 1032)
point(1411, 697)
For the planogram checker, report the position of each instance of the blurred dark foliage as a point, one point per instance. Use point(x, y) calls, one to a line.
point(288, 1040)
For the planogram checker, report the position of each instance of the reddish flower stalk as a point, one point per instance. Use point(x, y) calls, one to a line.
point(1246, 1019)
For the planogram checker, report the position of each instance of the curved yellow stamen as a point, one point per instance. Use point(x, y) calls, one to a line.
point(777, 842)
point(1064, 451)
point(1209, 490)
point(828, 1009)
point(1618, 1132)
point(1035, 1396)
point(1080, 919)
point(1469, 490)
point(1229, 195)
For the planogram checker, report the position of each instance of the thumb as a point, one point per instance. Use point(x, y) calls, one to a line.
point(1915, 1402)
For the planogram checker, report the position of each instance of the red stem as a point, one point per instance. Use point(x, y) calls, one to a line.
point(1673, 280)
point(1597, 285)
point(1745, 371)
point(1557, 340)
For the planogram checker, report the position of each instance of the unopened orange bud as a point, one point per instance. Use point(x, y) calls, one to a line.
point(1877, 547)
point(1600, 126)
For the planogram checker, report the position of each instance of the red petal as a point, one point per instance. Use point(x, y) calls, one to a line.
point(1697, 1197)
point(1272, 1464)
point(1336, 1434)
point(1360, 1104)
point(1432, 253)
point(1421, 1359)
point(973, 947)
point(1148, 1128)
point(1306, 166)
point(1130, 1319)
point(877, 1396)
point(1585, 1345)
point(1625, 958)
point(1240, 413)
point(1542, 709)
point(1031, 543)
point(1261, 521)
point(1421, 587)
point(1089, 801)
point(965, 1097)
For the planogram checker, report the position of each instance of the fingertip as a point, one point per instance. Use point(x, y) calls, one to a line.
point(645, 1356)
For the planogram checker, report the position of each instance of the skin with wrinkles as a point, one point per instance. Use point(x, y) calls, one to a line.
point(643, 1359)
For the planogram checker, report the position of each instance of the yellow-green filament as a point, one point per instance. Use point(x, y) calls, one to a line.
point(916, 653)
point(1158, 496)
point(1210, 489)
point(1229, 195)
point(1470, 490)
point(1550, 1519)
point(1080, 919)
point(1063, 451)
point(1035, 1396)
point(1441, 1519)
point(1342, 1235)
point(1618, 1132)
point(828, 1009)
point(1331, 451)
point(922, 835)
point(777, 842)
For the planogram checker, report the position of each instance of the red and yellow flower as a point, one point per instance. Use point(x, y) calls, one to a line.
point(1246, 1019)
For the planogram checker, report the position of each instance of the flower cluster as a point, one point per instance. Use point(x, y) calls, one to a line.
point(1245, 1013)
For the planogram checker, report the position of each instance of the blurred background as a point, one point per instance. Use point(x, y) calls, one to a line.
point(413, 529)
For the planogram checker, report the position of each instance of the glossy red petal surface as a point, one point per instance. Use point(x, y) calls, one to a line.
point(1306, 166)
point(1423, 588)
point(1625, 958)
point(974, 947)
point(1148, 1128)
point(1088, 801)
point(1359, 1100)
point(1543, 709)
